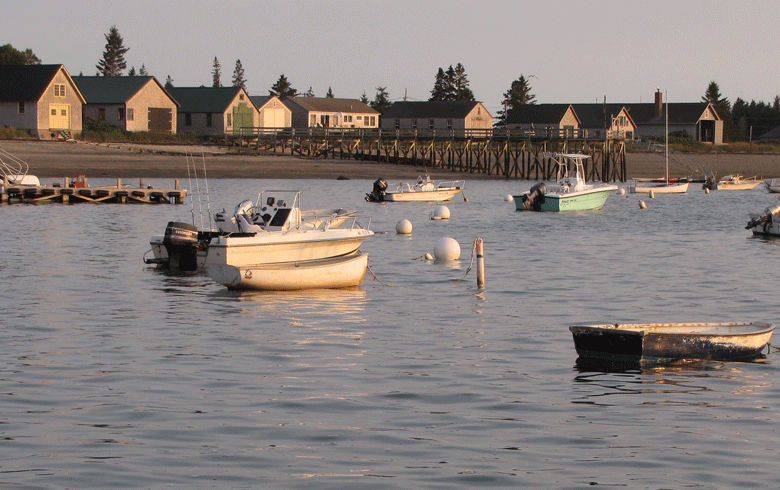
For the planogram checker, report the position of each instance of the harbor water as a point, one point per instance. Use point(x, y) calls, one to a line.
point(114, 374)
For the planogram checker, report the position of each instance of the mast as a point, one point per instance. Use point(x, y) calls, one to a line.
point(666, 140)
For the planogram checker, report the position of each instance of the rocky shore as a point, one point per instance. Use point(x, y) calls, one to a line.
point(127, 160)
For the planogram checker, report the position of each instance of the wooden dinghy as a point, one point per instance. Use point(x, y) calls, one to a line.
point(670, 341)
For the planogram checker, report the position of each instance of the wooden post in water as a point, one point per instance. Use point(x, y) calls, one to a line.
point(480, 263)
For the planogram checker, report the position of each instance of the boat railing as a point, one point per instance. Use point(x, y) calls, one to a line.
point(458, 184)
point(13, 168)
point(349, 222)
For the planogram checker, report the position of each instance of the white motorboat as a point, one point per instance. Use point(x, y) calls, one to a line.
point(733, 183)
point(15, 171)
point(767, 223)
point(327, 273)
point(772, 185)
point(276, 231)
point(571, 193)
point(424, 190)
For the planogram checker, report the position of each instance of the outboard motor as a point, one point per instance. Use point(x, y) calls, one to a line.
point(764, 220)
point(378, 194)
point(535, 197)
point(181, 242)
point(710, 184)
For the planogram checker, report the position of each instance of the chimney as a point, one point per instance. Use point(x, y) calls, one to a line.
point(659, 103)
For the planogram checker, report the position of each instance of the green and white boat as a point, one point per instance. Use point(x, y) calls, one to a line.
point(570, 193)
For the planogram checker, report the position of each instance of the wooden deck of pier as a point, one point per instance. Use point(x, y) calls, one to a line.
point(70, 194)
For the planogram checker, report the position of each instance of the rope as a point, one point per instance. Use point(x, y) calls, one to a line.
point(376, 278)
point(473, 253)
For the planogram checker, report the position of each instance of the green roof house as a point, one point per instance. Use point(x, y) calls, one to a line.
point(133, 103)
point(215, 110)
point(41, 99)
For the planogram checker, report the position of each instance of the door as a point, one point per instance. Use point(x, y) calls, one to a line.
point(242, 118)
point(160, 120)
point(59, 116)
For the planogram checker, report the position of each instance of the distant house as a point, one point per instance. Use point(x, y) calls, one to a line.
point(439, 117)
point(133, 103)
point(596, 120)
point(214, 110)
point(699, 119)
point(273, 113)
point(41, 99)
point(772, 134)
point(545, 120)
point(329, 112)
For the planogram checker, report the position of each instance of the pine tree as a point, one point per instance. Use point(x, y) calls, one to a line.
point(722, 107)
point(461, 84)
point(309, 93)
point(329, 95)
point(519, 93)
point(216, 74)
point(131, 73)
point(113, 62)
point(439, 91)
point(364, 99)
point(143, 71)
point(238, 76)
point(282, 88)
point(449, 84)
point(169, 82)
point(381, 101)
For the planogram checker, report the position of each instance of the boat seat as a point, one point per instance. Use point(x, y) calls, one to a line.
point(245, 224)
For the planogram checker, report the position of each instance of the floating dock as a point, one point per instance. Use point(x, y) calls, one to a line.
point(79, 192)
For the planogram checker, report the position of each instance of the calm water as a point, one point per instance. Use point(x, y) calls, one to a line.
point(117, 375)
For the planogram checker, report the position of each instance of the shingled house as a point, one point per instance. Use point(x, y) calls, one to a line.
point(273, 113)
point(328, 112)
point(214, 110)
point(699, 119)
point(445, 118)
point(41, 99)
point(544, 120)
point(133, 103)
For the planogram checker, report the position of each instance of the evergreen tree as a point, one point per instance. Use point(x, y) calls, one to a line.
point(449, 84)
point(11, 56)
point(519, 93)
point(143, 71)
point(364, 99)
point(329, 95)
point(381, 101)
point(113, 62)
point(309, 93)
point(461, 84)
point(216, 74)
point(282, 88)
point(169, 82)
point(722, 107)
point(131, 73)
point(238, 76)
point(439, 87)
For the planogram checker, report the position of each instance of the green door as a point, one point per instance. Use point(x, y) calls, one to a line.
point(242, 118)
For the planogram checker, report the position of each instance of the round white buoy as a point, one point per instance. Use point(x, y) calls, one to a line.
point(706, 190)
point(651, 195)
point(441, 212)
point(621, 192)
point(509, 198)
point(428, 256)
point(642, 205)
point(446, 249)
point(403, 227)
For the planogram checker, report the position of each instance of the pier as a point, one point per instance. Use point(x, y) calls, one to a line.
point(514, 154)
point(77, 191)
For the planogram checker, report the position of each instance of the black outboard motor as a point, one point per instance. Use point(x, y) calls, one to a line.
point(710, 184)
point(535, 197)
point(181, 242)
point(378, 194)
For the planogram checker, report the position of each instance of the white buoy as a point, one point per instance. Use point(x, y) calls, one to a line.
point(651, 195)
point(428, 256)
point(479, 246)
point(509, 198)
point(403, 227)
point(441, 212)
point(642, 205)
point(621, 192)
point(706, 190)
point(446, 249)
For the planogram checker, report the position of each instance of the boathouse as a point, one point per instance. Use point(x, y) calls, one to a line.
point(272, 112)
point(210, 111)
point(699, 119)
point(133, 103)
point(610, 120)
point(329, 112)
point(443, 118)
point(544, 120)
point(40, 99)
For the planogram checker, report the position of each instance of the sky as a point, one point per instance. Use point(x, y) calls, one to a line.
point(571, 51)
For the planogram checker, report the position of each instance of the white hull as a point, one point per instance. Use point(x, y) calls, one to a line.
point(439, 195)
point(658, 188)
point(772, 185)
point(767, 223)
point(330, 273)
point(743, 186)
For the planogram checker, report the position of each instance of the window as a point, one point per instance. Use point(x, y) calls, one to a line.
point(313, 120)
point(21, 107)
point(208, 119)
point(430, 124)
point(240, 96)
point(359, 118)
point(54, 112)
point(59, 90)
point(397, 124)
point(449, 123)
point(130, 114)
point(188, 119)
point(121, 113)
point(102, 113)
point(347, 118)
point(230, 120)
point(414, 123)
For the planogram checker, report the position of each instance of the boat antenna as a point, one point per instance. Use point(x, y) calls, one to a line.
point(189, 178)
point(666, 140)
point(206, 180)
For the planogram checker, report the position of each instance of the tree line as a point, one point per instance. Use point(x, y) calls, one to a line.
point(743, 121)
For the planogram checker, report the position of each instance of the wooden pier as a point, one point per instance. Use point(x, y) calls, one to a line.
point(515, 154)
point(77, 191)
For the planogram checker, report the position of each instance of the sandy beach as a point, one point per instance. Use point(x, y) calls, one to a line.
point(127, 160)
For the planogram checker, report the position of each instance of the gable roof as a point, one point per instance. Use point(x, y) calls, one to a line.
point(206, 99)
point(679, 112)
point(772, 134)
point(261, 100)
point(440, 109)
point(113, 90)
point(538, 113)
point(597, 115)
point(27, 83)
point(328, 104)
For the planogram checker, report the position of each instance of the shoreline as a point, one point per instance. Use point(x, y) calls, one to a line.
point(127, 160)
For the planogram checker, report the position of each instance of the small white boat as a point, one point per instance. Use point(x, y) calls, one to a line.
point(571, 193)
point(328, 273)
point(772, 185)
point(670, 341)
point(424, 190)
point(765, 224)
point(734, 183)
point(640, 186)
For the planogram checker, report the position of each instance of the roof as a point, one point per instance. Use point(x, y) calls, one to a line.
point(27, 83)
point(679, 112)
point(451, 109)
point(260, 100)
point(205, 99)
point(328, 104)
point(113, 90)
point(538, 113)
point(595, 115)
point(772, 134)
